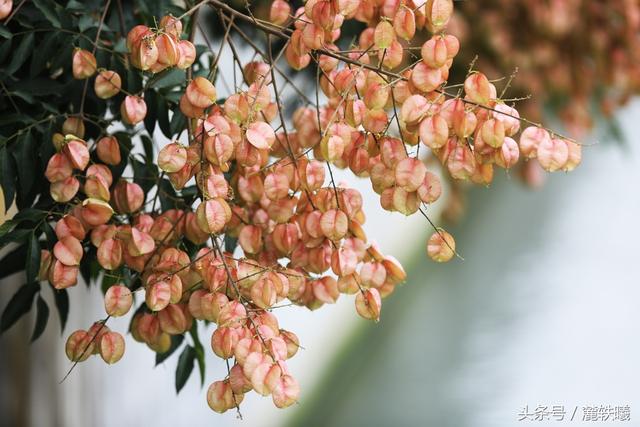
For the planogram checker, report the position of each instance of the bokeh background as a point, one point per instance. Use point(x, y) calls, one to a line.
point(542, 311)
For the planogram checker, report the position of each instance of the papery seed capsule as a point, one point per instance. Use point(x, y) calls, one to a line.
point(62, 276)
point(73, 126)
point(168, 50)
point(187, 54)
point(279, 12)
point(285, 391)
point(508, 154)
point(441, 246)
point(383, 35)
point(430, 189)
point(171, 25)
point(65, 190)
point(201, 93)
point(434, 52)
point(477, 88)
point(325, 289)
point(425, 78)
point(83, 64)
point(369, 304)
point(128, 196)
point(575, 156)
point(107, 84)
point(232, 314)
point(58, 168)
point(404, 23)
point(108, 150)
point(438, 13)
point(173, 320)
point(414, 109)
point(158, 295)
point(212, 215)
point(5, 8)
point(220, 397)
point(172, 157)
point(260, 135)
point(250, 239)
point(334, 224)
point(117, 300)
point(211, 303)
point(133, 109)
point(111, 347)
point(493, 132)
point(530, 139)
point(68, 251)
point(238, 381)
point(110, 254)
point(410, 173)
point(79, 346)
point(553, 154)
point(77, 152)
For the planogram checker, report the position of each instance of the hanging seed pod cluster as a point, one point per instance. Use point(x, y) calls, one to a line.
point(251, 218)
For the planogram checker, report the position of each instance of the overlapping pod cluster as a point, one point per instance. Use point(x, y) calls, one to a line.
point(301, 234)
point(582, 53)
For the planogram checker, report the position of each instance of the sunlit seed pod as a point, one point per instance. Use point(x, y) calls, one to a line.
point(414, 109)
point(172, 157)
point(84, 64)
point(285, 392)
point(107, 84)
point(461, 162)
point(392, 150)
point(279, 12)
point(260, 135)
point(221, 397)
point(65, 190)
point(171, 25)
point(224, 341)
point(109, 254)
point(108, 150)
point(372, 274)
point(133, 110)
point(508, 154)
point(377, 95)
point(375, 121)
point(250, 239)
point(405, 202)
point(575, 156)
point(464, 123)
point(322, 15)
point(296, 60)
point(334, 224)
point(187, 54)
point(383, 35)
point(553, 154)
point(285, 237)
point(509, 116)
point(232, 314)
point(68, 251)
point(344, 262)
point(212, 215)
point(493, 132)
point(238, 381)
point(62, 276)
point(59, 168)
point(168, 50)
point(201, 93)
point(332, 147)
point(430, 189)
point(111, 347)
point(410, 173)
point(368, 304)
point(140, 243)
point(425, 78)
point(263, 292)
point(211, 304)
point(117, 300)
point(95, 212)
point(437, 14)
point(325, 289)
point(530, 139)
point(434, 52)
point(477, 88)
point(77, 152)
point(404, 23)
point(313, 36)
point(441, 246)
point(392, 56)
point(175, 282)
point(453, 45)
point(276, 186)
point(79, 346)
point(5, 8)
point(173, 320)
point(147, 328)
point(97, 187)
point(158, 295)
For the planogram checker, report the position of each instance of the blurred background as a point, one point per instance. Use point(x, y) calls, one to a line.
point(541, 313)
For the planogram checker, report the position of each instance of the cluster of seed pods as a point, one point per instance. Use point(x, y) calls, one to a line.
point(301, 235)
point(585, 54)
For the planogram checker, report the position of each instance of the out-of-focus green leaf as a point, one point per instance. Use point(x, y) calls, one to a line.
point(32, 261)
point(19, 305)
point(61, 297)
point(185, 367)
point(42, 317)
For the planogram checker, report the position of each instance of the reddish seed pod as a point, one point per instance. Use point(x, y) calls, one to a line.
point(158, 295)
point(77, 152)
point(279, 12)
point(493, 132)
point(434, 52)
point(173, 319)
point(110, 254)
point(221, 397)
point(187, 54)
point(73, 126)
point(477, 88)
point(108, 150)
point(334, 224)
point(68, 251)
point(553, 154)
point(201, 93)
point(83, 64)
point(79, 346)
point(410, 173)
point(117, 300)
point(133, 110)
point(172, 157)
point(369, 304)
point(441, 246)
point(530, 139)
point(107, 84)
point(285, 391)
point(430, 189)
point(111, 347)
